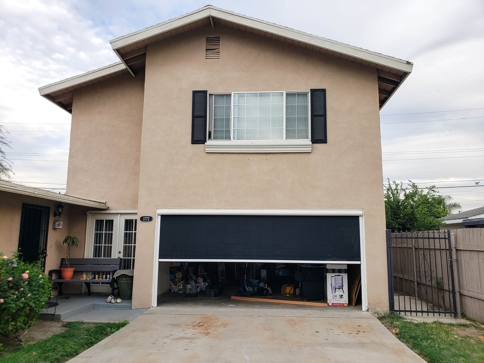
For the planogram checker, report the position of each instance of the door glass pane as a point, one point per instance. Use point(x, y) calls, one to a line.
point(103, 238)
point(129, 243)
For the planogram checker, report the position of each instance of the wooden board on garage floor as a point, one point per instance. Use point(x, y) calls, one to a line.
point(277, 301)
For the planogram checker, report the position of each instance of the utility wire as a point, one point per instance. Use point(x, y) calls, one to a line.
point(447, 157)
point(432, 151)
point(438, 120)
point(420, 113)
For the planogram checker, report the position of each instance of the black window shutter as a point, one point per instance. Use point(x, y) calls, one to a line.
point(318, 116)
point(199, 117)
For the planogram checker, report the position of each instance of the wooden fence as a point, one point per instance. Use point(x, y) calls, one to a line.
point(468, 245)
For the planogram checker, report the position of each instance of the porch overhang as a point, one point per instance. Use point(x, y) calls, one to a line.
point(13, 188)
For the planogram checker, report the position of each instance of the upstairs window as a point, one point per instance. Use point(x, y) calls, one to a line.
point(259, 121)
point(259, 116)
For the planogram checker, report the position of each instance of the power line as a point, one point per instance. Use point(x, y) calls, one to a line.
point(419, 113)
point(34, 123)
point(59, 161)
point(447, 157)
point(39, 131)
point(438, 120)
point(445, 181)
point(432, 151)
point(38, 154)
point(448, 187)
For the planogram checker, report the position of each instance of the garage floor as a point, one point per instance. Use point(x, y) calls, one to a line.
point(250, 332)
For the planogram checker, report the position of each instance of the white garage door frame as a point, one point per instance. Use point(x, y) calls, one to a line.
point(264, 212)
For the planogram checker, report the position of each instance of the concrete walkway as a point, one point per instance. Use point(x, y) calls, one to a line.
point(250, 332)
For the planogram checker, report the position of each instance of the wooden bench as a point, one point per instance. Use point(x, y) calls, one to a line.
point(90, 267)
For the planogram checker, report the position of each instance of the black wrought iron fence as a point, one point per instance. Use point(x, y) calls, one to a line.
point(420, 273)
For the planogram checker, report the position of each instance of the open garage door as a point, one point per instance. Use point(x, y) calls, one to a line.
point(259, 238)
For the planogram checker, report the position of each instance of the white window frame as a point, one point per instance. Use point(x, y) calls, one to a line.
point(257, 146)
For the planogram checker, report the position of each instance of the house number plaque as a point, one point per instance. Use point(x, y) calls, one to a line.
point(146, 218)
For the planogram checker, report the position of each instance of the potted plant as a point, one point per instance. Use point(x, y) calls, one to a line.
point(67, 272)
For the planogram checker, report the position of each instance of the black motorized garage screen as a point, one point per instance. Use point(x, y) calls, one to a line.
point(282, 238)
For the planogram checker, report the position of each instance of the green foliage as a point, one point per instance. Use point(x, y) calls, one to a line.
point(24, 289)
point(414, 209)
point(70, 241)
point(60, 347)
point(5, 169)
point(439, 342)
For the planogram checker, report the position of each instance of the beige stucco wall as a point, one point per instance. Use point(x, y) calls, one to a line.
point(126, 127)
point(345, 173)
point(73, 218)
point(105, 142)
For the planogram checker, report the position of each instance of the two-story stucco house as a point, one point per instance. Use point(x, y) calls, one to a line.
point(245, 141)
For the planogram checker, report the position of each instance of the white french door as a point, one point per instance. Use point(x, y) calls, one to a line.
point(112, 235)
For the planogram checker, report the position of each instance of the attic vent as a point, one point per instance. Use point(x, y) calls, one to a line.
point(212, 48)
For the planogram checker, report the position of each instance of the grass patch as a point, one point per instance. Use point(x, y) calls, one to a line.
point(438, 342)
point(60, 347)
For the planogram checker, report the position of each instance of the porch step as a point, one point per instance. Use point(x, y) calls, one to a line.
point(70, 306)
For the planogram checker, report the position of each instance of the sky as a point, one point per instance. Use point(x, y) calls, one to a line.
point(432, 128)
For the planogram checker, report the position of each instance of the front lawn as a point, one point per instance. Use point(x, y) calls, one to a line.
point(438, 342)
point(61, 347)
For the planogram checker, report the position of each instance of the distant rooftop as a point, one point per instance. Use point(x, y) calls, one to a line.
point(467, 214)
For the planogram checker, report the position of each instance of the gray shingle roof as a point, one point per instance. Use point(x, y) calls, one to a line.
point(466, 214)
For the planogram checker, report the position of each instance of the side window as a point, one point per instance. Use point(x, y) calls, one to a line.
point(219, 111)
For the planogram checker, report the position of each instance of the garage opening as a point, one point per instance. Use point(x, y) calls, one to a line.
point(289, 255)
point(327, 284)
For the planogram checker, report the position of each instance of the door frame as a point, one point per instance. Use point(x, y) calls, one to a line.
point(46, 210)
point(268, 212)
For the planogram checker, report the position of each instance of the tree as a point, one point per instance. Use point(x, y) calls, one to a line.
point(415, 209)
point(5, 169)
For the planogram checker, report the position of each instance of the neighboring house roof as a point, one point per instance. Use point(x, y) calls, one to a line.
point(470, 215)
point(131, 49)
point(13, 188)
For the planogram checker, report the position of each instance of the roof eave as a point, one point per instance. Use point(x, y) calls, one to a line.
point(48, 90)
point(10, 187)
point(84, 77)
point(362, 54)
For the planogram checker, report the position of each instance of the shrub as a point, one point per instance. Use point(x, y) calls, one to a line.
point(24, 289)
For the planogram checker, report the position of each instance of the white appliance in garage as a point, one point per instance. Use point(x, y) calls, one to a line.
point(337, 285)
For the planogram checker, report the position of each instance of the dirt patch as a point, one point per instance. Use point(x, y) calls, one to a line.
point(209, 326)
point(43, 330)
point(470, 332)
point(40, 331)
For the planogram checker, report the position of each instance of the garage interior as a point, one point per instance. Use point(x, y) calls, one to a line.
point(286, 282)
point(303, 258)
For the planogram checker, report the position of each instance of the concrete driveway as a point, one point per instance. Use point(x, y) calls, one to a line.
point(250, 332)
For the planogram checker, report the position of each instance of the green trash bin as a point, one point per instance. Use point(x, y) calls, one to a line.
point(125, 285)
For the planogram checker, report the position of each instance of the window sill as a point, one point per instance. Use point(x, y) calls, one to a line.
point(259, 147)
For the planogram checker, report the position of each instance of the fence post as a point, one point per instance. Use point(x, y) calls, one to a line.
point(391, 297)
point(415, 283)
point(455, 274)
